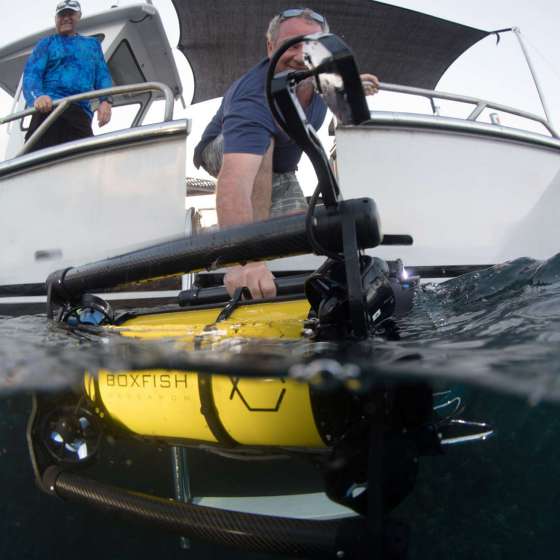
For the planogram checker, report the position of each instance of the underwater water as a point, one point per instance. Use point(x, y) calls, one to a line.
point(491, 338)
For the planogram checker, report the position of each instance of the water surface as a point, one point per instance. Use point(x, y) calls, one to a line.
point(492, 337)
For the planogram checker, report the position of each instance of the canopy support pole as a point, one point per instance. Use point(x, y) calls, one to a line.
point(517, 32)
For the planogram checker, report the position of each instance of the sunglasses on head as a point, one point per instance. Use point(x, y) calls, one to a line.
point(65, 13)
point(297, 12)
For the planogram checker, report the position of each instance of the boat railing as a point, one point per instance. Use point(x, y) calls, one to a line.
point(60, 105)
point(480, 104)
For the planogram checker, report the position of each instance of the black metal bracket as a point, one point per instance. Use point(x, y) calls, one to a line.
point(358, 317)
point(286, 108)
point(347, 102)
point(284, 96)
point(56, 291)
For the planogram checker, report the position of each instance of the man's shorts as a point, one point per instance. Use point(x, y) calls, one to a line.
point(287, 196)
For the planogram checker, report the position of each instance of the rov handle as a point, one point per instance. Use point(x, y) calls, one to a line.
point(246, 531)
point(285, 286)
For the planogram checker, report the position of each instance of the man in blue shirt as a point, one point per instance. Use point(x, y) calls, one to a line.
point(62, 65)
point(256, 175)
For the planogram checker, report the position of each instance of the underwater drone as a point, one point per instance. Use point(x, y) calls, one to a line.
point(364, 434)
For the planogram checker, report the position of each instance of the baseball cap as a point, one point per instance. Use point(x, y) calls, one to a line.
point(73, 5)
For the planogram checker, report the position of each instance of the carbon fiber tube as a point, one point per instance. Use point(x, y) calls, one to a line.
point(278, 237)
point(251, 532)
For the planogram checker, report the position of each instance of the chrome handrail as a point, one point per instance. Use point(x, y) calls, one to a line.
point(61, 104)
point(394, 119)
point(111, 140)
point(481, 104)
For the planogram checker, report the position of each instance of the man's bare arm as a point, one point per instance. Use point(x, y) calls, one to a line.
point(243, 196)
point(244, 188)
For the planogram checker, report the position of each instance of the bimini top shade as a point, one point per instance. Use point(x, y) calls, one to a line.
point(223, 38)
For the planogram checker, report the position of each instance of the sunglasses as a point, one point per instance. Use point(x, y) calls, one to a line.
point(297, 12)
point(64, 13)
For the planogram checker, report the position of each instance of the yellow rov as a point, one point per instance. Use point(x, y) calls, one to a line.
point(184, 406)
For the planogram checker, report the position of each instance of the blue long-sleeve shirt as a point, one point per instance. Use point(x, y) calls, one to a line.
point(61, 65)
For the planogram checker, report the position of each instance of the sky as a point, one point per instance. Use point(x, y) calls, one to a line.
point(497, 73)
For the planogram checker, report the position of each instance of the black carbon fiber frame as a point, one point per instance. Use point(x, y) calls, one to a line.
point(279, 237)
point(246, 531)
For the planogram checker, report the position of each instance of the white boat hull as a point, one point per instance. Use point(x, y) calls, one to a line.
point(86, 205)
point(462, 196)
point(468, 193)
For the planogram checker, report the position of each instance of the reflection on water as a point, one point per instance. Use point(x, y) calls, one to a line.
point(487, 342)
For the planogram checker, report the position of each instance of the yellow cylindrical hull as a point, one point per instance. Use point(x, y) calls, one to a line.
point(215, 409)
